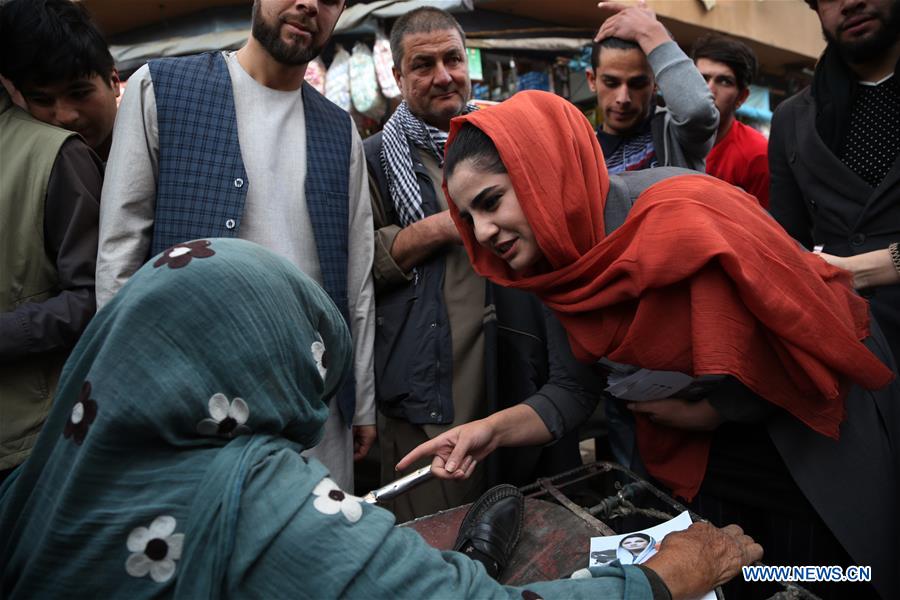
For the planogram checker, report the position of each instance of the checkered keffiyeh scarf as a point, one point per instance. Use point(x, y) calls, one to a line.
point(397, 163)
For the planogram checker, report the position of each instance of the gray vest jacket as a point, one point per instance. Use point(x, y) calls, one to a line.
point(203, 184)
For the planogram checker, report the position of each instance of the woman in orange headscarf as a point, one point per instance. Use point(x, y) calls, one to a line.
point(697, 280)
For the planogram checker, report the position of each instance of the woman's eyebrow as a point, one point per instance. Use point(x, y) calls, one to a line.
point(479, 198)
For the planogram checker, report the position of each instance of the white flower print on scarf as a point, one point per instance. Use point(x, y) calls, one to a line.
point(155, 550)
point(331, 500)
point(582, 574)
point(228, 418)
point(321, 357)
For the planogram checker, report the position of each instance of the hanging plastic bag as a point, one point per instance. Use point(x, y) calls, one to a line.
point(384, 62)
point(363, 85)
point(315, 75)
point(337, 79)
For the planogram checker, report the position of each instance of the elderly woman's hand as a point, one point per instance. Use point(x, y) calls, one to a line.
point(696, 560)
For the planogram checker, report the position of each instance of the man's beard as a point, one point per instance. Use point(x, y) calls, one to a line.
point(269, 36)
point(874, 46)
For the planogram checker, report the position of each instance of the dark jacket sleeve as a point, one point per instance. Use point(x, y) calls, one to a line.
point(786, 202)
point(657, 586)
point(71, 216)
point(572, 391)
point(737, 403)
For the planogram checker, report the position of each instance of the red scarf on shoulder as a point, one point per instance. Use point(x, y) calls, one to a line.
point(698, 279)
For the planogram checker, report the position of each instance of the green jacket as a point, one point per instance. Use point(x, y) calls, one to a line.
point(27, 274)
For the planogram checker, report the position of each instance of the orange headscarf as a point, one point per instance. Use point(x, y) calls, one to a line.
point(698, 279)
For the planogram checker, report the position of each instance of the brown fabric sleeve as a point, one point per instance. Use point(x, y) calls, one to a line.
point(386, 272)
point(71, 216)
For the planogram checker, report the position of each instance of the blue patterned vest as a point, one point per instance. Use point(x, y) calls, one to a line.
point(202, 183)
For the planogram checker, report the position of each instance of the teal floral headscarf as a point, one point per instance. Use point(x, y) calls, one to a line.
point(210, 349)
point(170, 463)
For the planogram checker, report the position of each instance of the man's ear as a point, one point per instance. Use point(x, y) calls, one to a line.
point(591, 79)
point(397, 75)
point(742, 97)
point(115, 82)
point(14, 94)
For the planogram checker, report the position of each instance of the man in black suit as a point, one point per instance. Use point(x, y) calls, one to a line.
point(833, 150)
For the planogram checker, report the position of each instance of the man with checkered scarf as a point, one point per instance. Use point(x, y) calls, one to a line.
point(450, 347)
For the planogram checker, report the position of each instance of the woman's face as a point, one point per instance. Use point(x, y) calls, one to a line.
point(635, 545)
point(488, 202)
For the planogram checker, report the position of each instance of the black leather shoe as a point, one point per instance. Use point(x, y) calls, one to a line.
point(490, 530)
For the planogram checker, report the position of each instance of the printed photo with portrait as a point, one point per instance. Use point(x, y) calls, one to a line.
point(636, 547)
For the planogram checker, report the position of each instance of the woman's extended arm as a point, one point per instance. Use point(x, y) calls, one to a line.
point(456, 452)
point(870, 269)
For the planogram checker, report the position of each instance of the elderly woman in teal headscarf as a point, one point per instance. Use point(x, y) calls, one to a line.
point(170, 464)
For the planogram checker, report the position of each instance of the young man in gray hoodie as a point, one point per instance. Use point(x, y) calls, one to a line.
point(633, 60)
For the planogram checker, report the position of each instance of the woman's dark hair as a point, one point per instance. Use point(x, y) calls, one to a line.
point(473, 144)
point(46, 42)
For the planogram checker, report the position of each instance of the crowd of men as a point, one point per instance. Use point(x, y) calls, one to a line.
point(234, 144)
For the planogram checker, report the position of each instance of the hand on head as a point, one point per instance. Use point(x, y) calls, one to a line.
point(702, 557)
point(636, 23)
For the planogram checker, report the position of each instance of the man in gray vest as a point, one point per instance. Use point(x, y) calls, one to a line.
point(235, 144)
point(450, 347)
